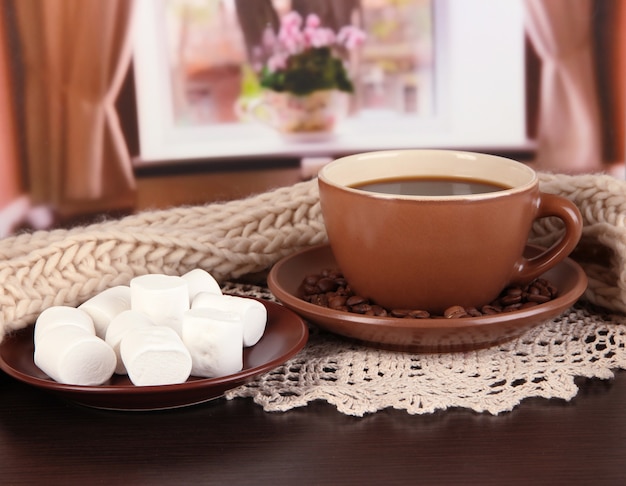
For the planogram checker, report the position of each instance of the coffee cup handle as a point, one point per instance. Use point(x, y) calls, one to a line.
point(528, 269)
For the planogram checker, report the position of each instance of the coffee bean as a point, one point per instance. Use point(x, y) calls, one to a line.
point(410, 313)
point(326, 284)
point(491, 309)
point(454, 312)
point(319, 299)
point(514, 291)
point(512, 307)
point(527, 305)
point(331, 273)
point(538, 298)
point(330, 289)
point(355, 300)
point(379, 311)
point(311, 280)
point(361, 308)
point(554, 292)
point(337, 301)
point(511, 299)
point(309, 289)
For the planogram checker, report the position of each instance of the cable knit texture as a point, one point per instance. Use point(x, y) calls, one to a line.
point(602, 250)
point(66, 267)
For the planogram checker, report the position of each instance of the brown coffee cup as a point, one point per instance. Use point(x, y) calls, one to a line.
point(416, 251)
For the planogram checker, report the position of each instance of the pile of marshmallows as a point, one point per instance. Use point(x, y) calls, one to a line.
point(159, 330)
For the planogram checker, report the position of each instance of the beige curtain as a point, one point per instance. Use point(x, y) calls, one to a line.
point(76, 53)
point(569, 138)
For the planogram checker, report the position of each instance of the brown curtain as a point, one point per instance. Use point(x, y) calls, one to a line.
point(253, 18)
point(333, 14)
point(609, 24)
point(75, 56)
point(569, 137)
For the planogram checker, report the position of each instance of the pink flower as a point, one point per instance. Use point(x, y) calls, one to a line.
point(313, 21)
point(296, 36)
point(351, 37)
point(277, 62)
point(290, 36)
point(291, 19)
point(292, 39)
point(315, 35)
point(318, 36)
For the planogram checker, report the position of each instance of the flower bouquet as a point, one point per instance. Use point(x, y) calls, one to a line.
point(304, 78)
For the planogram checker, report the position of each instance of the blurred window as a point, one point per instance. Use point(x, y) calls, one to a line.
point(431, 73)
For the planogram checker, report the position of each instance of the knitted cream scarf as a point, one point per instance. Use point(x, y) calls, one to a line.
point(66, 267)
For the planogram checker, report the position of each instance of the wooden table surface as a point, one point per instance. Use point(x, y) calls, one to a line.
point(45, 440)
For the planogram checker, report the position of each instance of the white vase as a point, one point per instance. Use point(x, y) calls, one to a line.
point(315, 115)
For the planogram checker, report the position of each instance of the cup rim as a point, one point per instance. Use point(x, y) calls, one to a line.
point(521, 172)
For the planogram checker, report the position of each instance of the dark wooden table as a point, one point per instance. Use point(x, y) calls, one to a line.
point(44, 440)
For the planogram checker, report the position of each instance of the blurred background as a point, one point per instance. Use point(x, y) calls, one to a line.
point(109, 108)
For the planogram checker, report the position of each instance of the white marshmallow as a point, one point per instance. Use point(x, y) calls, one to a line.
point(60, 315)
point(74, 356)
point(155, 355)
point(106, 305)
point(215, 341)
point(200, 280)
point(121, 325)
point(252, 313)
point(162, 298)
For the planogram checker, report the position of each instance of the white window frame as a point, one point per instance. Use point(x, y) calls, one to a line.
point(479, 84)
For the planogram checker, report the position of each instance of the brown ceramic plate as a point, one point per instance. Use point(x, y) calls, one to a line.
point(420, 335)
point(285, 335)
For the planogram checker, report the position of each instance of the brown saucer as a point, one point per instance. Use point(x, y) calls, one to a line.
point(285, 335)
point(420, 335)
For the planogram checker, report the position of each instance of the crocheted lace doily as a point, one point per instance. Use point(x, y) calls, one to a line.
point(582, 342)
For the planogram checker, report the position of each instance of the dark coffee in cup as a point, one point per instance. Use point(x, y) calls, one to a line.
point(430, 186)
